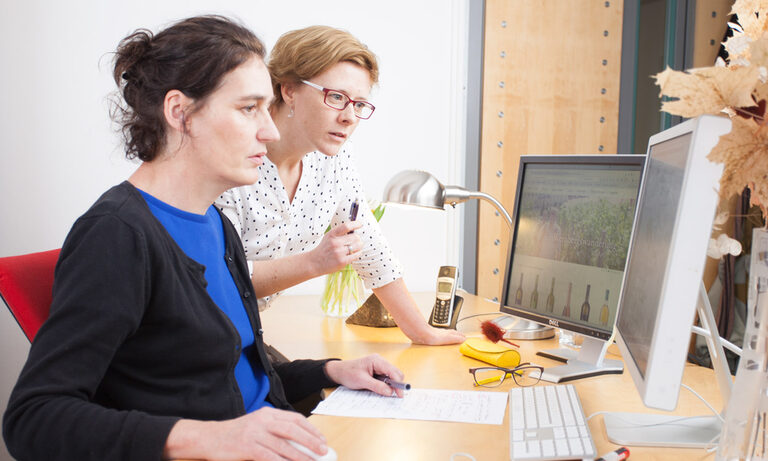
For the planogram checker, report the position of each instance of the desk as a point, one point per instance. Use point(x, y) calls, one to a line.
point(297, 326)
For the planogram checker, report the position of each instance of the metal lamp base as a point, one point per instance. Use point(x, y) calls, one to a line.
point(517, 328)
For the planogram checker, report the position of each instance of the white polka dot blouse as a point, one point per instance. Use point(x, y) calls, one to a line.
point(271, 226)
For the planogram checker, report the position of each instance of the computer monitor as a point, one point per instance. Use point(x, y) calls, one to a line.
point(663, 278)
point(572, 224)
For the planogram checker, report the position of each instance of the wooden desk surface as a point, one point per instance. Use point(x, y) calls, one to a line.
point(297, 327)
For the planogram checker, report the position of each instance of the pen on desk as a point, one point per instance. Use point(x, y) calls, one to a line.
point(617, 455)
point(392, 383)
point(353, 212)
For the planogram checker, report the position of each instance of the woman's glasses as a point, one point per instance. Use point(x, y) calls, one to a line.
point(524, 375)
point(338, 100)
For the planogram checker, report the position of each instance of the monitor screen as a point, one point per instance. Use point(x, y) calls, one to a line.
point(653, 237)
point(663, 277)
point(572, 226)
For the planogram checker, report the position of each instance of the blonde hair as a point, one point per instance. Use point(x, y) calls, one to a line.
point(304, 53)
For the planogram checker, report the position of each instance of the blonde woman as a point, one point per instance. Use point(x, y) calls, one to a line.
point(322, 79)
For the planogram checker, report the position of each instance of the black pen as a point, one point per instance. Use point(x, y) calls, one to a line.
point(392, 383)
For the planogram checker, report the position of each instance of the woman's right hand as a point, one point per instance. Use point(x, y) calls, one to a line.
point(338, 248)
point(260, 436)
point(439, 337)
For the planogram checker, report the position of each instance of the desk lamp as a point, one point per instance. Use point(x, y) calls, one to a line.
point(419, 188)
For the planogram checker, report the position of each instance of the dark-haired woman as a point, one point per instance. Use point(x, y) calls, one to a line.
point(153, 348)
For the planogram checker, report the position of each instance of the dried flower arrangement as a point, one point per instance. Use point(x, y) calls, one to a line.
point(738, 89)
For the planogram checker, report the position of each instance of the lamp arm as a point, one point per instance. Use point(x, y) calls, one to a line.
point(457, 194)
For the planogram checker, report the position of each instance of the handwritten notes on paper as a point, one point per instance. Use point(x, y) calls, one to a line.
point(423, 404)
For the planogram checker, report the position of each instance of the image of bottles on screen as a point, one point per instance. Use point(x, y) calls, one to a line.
point(604, 309)
point(567, 307)
point(585, 307)
point(535, 294)
point(519, 292)
point(550, 305)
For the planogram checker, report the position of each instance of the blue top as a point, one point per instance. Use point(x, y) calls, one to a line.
point(189, 230)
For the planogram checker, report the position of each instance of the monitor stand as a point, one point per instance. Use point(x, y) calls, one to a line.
point(652, 430)
point(517, 328)
point(588, 361)
point(655, 430)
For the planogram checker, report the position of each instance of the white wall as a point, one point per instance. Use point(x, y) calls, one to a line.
point(59, 152)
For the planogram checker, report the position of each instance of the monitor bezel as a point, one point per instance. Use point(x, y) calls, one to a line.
point(659, 385)
point(525, 160)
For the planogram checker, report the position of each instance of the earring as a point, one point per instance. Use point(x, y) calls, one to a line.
point(290, 114)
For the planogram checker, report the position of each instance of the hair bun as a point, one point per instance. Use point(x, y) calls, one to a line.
point(130, 51)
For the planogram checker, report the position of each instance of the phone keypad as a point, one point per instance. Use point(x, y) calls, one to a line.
point(441, 311)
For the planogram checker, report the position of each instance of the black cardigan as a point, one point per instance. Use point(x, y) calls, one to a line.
point(134, 343)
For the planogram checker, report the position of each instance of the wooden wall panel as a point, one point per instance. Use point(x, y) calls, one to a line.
point(709, 30)
point(550, 86)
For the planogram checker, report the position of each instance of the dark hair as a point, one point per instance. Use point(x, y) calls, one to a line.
point(191, 56)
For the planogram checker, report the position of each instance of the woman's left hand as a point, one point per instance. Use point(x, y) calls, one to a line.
point(358, 374)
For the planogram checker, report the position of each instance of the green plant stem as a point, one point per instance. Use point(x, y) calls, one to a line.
point(341, 289)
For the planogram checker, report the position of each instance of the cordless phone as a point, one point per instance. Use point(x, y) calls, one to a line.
point(447, 303)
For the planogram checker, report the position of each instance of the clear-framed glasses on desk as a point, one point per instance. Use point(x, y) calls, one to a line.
point(524, 375)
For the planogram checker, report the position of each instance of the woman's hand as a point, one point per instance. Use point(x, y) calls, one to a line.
point(432, 336)
point(260, 436)
point(399, 302)
point(338, 248)
point(358, 374)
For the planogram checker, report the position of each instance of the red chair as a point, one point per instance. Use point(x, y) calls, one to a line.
point(26, 287)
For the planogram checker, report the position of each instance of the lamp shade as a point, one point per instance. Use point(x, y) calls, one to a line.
point(413, 187)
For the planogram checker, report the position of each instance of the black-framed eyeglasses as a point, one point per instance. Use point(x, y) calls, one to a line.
point(339, 100)
point(524, 375)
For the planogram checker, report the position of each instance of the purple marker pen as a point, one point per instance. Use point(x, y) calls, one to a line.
point(353, 212)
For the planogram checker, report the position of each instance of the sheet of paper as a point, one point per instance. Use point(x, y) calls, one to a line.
point(477, 407)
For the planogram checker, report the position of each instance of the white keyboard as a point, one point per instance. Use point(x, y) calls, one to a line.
point(547, 422)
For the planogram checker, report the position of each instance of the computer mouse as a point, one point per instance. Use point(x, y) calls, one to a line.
point(330, 456)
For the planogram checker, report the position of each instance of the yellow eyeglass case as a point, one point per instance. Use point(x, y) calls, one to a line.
point(489, 352)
